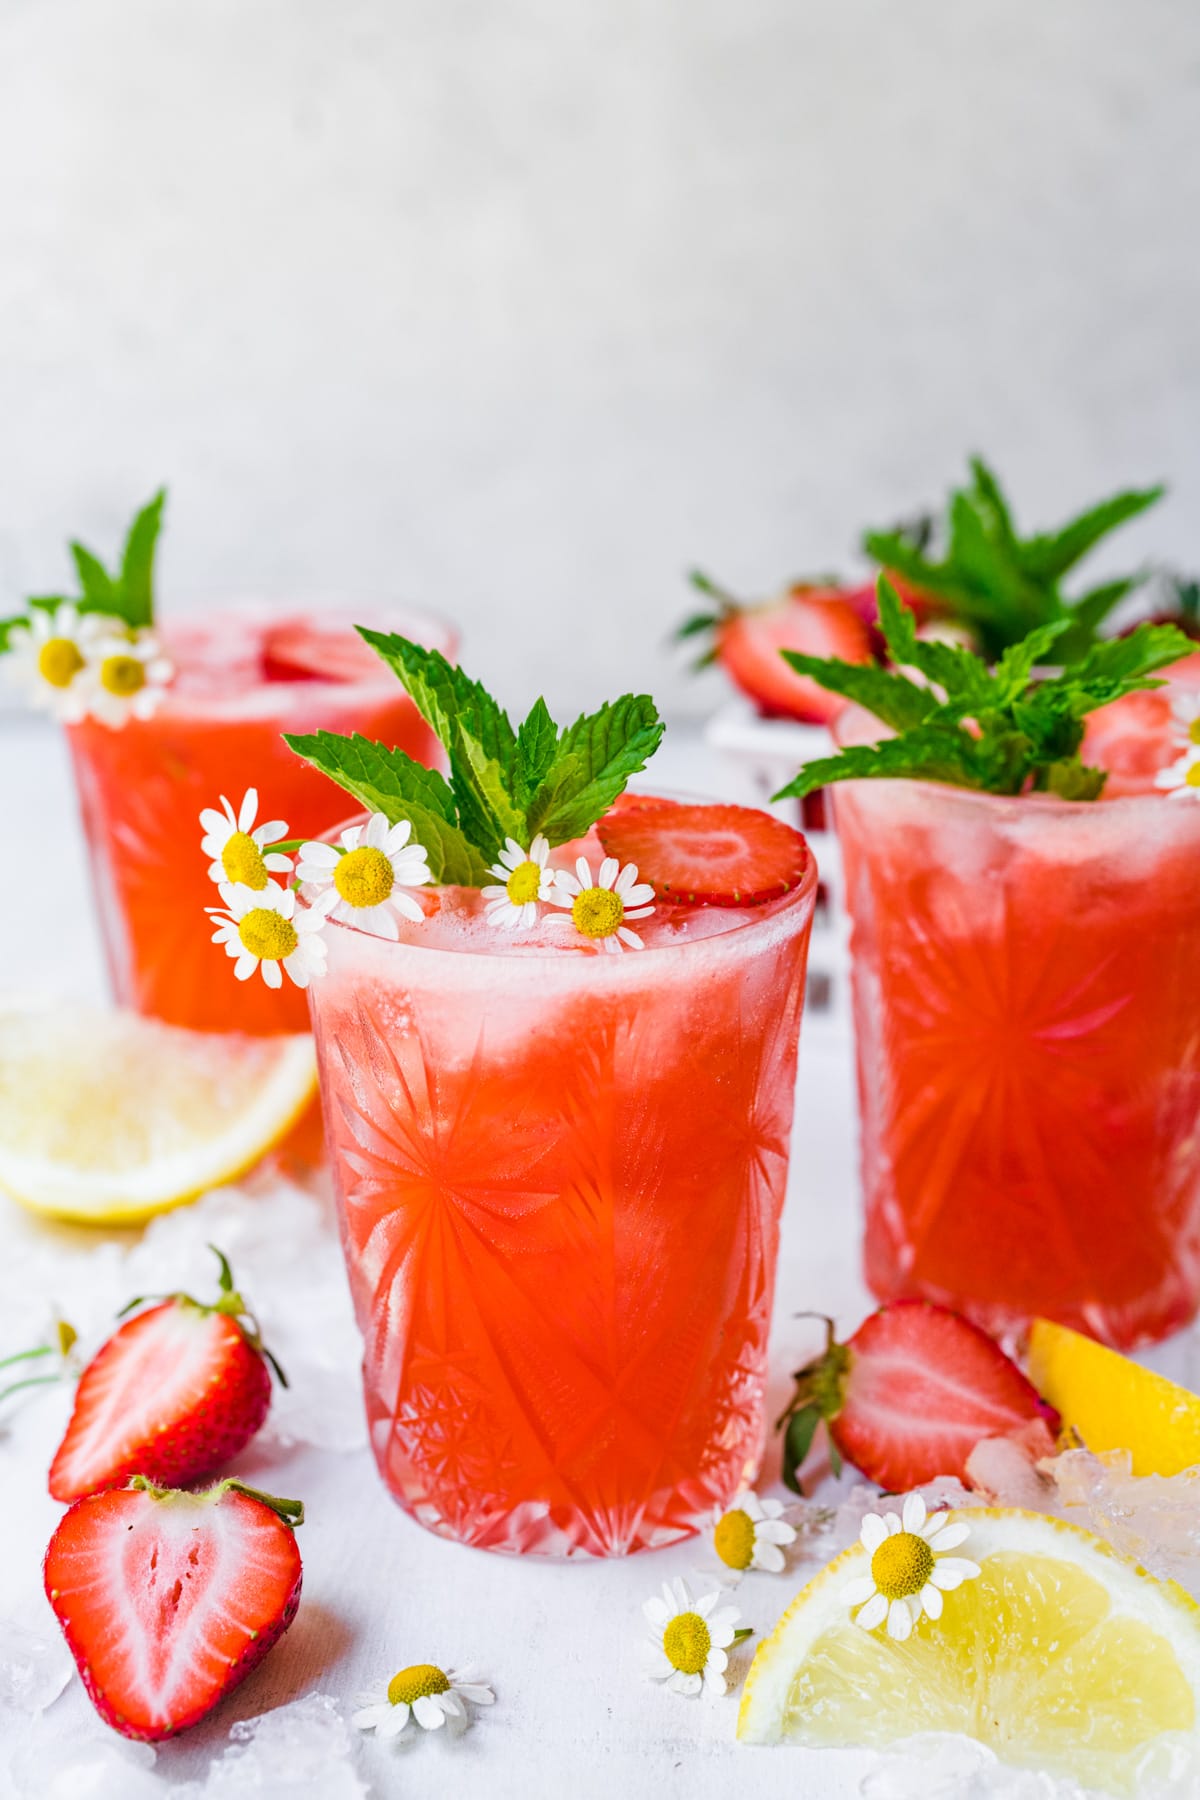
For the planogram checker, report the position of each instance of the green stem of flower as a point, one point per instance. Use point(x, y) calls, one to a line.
point(743, 1631)
point(24, 1355)
point(30, 1381)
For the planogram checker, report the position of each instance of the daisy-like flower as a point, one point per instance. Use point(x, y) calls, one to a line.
point(689, 1639)
point(48, 654)
point(524, 880)
point(1182, 778)
point(1185, 719)
point(262, 930)
point(239, 848)
point(910, 1569)
point(599, 905)
point(422, 1692)
point(366, 878)
point(126, 677)
point(751, 1534)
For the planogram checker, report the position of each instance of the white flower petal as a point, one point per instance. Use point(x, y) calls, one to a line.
point(858, 1591)
point(899, 1621)
point(767, 1555)
point(931, 1600)
point(913, 1515)
point(428, 1713)
point(873, 1613)
point(945, 1537)
point(874, 1530)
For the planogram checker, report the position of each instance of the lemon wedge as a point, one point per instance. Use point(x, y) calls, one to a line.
point(1059, 1655)
point(107, 1118)
point(1113, 1403)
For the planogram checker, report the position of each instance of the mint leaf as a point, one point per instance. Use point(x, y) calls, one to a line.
point(137, 563)
point(1001, 731)
point(891, 696)
point(926, 753)
point(1004, 585)
point(386, 780)
point(537, 741)
point(100, 592)
point(592, 765)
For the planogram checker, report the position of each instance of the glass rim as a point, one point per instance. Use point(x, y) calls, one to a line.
point(773, 910)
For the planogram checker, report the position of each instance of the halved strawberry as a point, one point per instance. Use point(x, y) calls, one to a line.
point(748, 640)
point(172, 1395)
point(305, 650)
point(908, 1397)
point(167, 1600)
point(707, 855)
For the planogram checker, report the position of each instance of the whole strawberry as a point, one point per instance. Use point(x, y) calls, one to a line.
point(172, 1395)
point(167, 1600)
point(908, 1397)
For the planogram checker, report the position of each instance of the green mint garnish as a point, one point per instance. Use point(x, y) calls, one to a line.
point(128, 594)
point(1001, 730)
point(1003, 585)
point(503, 783)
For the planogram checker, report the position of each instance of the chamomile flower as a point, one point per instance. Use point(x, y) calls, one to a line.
point(262, 930)
point(910, 1569)
point(1182, 779)
point(55, 1357)
point(240, 848)
point(689, 1639)
point(524, 880)
point(48, 655)
point(599, 905)
point(1185, 719)
point(424, 1693)
point(751, 1534)
point(366, 878)
point(126, 677)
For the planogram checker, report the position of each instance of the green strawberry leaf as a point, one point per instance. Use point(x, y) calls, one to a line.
point(386, 780)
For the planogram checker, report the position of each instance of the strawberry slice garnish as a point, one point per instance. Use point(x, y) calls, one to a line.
point(707, 855)
point(748, 642)
point(305, 650)
point(167, 1600)
point(172, 1395)
point(909, 1396)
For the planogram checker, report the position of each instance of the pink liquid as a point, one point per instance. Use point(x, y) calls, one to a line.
point(242, 679)
point(560, 1175)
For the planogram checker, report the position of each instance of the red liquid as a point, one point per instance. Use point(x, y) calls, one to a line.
point(1027, 1007)
point(242, 679)
point(560, 1176)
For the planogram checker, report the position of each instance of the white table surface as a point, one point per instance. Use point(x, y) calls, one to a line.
point(574, 1715)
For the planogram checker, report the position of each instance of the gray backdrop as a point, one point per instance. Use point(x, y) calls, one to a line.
point(518, 308)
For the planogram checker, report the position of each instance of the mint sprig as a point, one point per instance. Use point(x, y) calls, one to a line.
point(1001, 729)
point(503, 782)
point(126, 594)
point(1003, 585)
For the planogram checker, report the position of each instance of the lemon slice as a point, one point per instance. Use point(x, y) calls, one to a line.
point(1059, 1655)
point(1113, 1403)
point(107, 1118)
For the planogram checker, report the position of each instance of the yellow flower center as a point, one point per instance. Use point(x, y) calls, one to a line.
point(1192, 778)
point(242, 861)
point(122, 675)
point(734, 1539)
point(597, 912)
point(1194, 731)
point(901, 1565)
point(687, 1642)
point(524, 882)
point(268, 935)
point(59, 661)
point(364, 877)
point(411, 1684)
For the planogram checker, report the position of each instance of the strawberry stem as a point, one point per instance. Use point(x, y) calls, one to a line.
point(290, 1511)
point(24, 1355)
point(14, 1387)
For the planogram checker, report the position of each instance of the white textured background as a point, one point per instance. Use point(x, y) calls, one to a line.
point(518, 308)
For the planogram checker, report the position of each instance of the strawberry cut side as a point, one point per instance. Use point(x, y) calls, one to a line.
point(909, 1396)
point(167, 1600)
point(707, 855)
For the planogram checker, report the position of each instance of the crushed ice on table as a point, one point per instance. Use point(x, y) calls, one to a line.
point(94, 1764)
point(1153, 1518)
point(35, 1666)
point(282, 1243)
point(294, 1752)
point(937, 1766)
